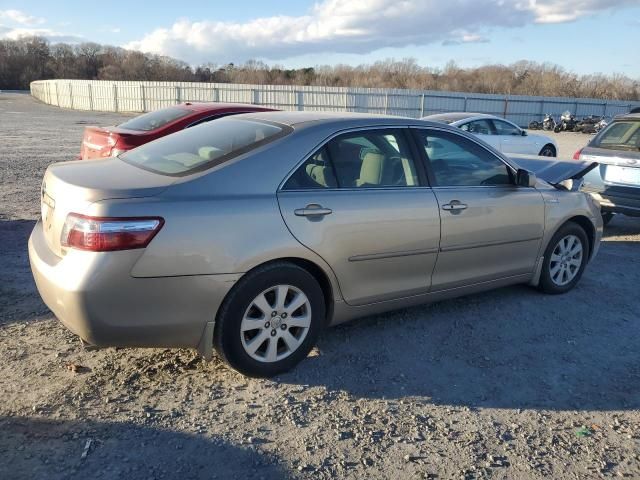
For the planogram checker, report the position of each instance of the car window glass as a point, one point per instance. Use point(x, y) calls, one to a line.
point(315, 173)
point(204, 146)
point(374, 158)
point(504, 128)
point(457, 161)
point(478, 127)
point(377, 158)
point(153, 120)
point(620, 134)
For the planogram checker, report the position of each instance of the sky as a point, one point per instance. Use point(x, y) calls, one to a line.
point(583, 36)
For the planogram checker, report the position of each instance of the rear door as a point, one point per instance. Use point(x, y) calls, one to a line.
point(491, 228)
point(361, 203)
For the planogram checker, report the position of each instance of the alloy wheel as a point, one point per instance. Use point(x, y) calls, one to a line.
point(276, 323)
point(566, 260)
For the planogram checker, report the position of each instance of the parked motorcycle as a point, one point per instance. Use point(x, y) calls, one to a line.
point(567, 123)
point(549, 123)
point(602, 124)
point(588, 124)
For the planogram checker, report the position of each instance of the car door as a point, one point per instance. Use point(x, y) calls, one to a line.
point(361, 203)
point(490, 228)
point(512, 140)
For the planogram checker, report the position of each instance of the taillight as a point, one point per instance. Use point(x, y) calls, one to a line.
point(576, 156)
point(102, 234)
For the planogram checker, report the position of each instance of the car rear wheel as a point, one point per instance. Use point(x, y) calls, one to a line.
point(564, 259)
point(270, 320)
point(548, 151)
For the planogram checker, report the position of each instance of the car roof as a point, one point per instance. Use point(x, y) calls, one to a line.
point(299, 119)
point(217, 106)
point(453, 117)
point(627, 116)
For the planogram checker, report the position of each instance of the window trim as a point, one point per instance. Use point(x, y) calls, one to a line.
point(423, 179)
point(468, 136)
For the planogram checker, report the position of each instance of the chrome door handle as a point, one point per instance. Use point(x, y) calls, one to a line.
point(312, 210)
point(454, 205)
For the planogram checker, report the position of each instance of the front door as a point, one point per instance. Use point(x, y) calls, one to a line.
point(360, 203)
point(512, 140)
point(491, 228)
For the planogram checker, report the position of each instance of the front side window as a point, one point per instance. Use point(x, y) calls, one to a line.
point(153, 120)
point(479, 127)
point(364, 159)
point(204, 146)
point(504, 128)
point(457, 161)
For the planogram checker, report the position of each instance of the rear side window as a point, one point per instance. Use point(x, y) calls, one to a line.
point(204, 146)
point(153, 120)
point(622, 135)
point(366, 159)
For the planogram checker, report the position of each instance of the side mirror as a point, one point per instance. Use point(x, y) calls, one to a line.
point(524, 133)
point(525, 178)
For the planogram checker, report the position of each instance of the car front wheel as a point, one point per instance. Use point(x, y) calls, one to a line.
point(270, 320)
point(564, 259)
point(548, 151)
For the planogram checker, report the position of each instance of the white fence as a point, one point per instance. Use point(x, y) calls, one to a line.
point(111, 96)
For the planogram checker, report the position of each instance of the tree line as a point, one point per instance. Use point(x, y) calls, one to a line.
point(34, 58)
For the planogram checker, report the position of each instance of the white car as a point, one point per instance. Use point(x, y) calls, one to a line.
point(501, 134)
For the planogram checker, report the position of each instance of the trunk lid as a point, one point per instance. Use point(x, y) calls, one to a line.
point(73, 186)
point(554, 171)
point(617, 167)
point(98, 142)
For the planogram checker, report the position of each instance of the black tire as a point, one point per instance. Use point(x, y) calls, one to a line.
point(607, 217)
point(548, 151)
point(557, 129)
point(547, 284)
point(227, 337)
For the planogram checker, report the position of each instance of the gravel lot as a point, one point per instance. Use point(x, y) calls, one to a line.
point(507, 384)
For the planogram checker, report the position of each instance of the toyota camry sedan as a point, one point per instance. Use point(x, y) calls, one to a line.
point(501, 134)
point(250, 234)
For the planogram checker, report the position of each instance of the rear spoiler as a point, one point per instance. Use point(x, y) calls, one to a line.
point(558, 173)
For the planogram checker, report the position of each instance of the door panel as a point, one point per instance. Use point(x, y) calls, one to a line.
point(382, 243)
point(497, 234)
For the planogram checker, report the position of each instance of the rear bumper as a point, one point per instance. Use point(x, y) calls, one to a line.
point(94, 295)
point(618, 204)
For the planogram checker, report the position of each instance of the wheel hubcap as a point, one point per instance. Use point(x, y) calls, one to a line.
point(566, 260)
point(276, 323)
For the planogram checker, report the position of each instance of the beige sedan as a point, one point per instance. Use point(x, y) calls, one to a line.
point(252, 233)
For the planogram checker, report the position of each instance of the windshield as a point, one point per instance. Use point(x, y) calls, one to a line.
point(152, 120)
point(620, 135)
point(203, 146)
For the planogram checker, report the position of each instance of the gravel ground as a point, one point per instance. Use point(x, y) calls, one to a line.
point(507, 384)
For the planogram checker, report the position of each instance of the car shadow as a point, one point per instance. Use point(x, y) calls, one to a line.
point(36, 448)
point(19, 298)
point(621, 225)
point(510, 348)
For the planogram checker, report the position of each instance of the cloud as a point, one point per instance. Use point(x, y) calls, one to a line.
point(358, 26)
point(51, 35)
point(558, 11)
point(16, 16)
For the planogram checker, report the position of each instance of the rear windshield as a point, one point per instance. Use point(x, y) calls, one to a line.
point(623, 135)
point(203, 146)
point(152, 120)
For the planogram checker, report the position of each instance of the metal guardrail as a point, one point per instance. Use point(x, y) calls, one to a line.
point(111, 96)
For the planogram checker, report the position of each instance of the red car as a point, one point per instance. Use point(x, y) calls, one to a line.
point(101, 142)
